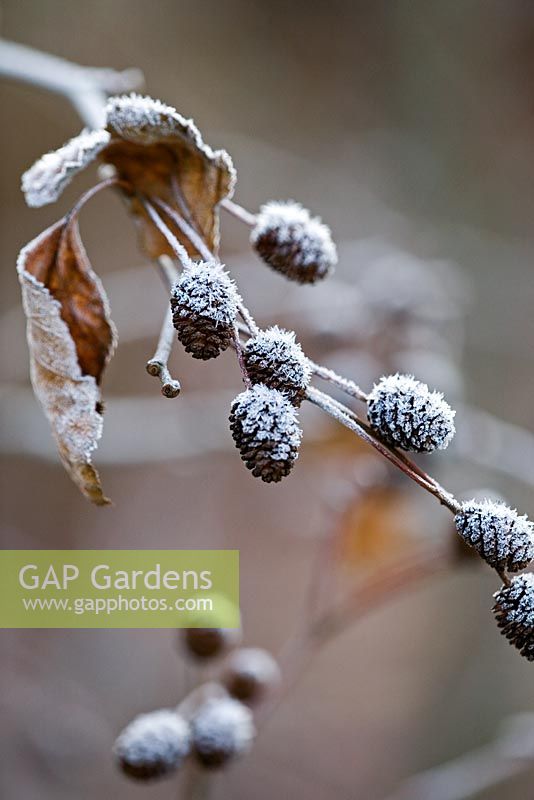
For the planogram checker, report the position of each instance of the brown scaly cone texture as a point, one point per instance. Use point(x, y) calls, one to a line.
point(71, 339)
point(162, 156)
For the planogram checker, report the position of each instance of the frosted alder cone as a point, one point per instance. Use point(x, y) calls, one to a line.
point(206, 643)
point(293, 242)
point(514, 611)
point(222, 729)
point(500, 536)
point(406, 414)
point(250, 673)
point(153, 745)
point(204, 304)
point(274, 358)
point(265, 429)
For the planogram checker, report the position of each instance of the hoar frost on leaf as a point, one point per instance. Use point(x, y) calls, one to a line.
point(501, 537)
point(44, 182)
point(153, 744)
point(274, 358)
point(71, 339)
point(162, 155)
point(145, 120)
point(514, 611)
point(408, 415)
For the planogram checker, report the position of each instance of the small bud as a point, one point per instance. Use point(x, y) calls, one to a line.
point(499, 535)
point(206, 643)
point(250, 673)
point(221, 730)
point(153, 745)
point(514, 611)
point(293, 242)
point(265, 428)
point(204, 304)
point(47, 178)
point(408, 415)
point(274, 358)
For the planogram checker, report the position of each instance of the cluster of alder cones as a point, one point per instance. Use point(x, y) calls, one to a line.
point(214, 724)
point(173, 185)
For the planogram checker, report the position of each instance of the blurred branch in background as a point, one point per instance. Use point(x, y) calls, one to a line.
point(85, 87)
point(510, 754)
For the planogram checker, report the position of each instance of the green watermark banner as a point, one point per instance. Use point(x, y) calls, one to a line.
point(119, 589)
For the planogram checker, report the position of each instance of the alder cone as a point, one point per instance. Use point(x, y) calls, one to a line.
point(499, 535)
point(293, 242)
point(204, 305)
point(274, 358)
point(200, 337)
point(265, 429)
point(514, 612)
point(206, 643)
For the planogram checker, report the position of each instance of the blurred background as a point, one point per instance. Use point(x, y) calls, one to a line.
point(409, 127)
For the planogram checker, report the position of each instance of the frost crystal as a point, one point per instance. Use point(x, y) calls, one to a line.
point(274, 358)
point(46, 179)
point(144, 120)
point(514, 611)
point(408, 415)
point(153, 745)
point(250, 672)
point(293, 242)
point(265, 428)
point(499, 535)
point(204, 303)
point(222, 729)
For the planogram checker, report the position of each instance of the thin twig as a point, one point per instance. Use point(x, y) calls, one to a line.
point(380, 587)
point(347, 418)
point(158, 364)
point(467, 776)
point(368, 596)
point(201, 247)
point(346, 385)
point(239, 212)
point(240, 359)
point(187, 230)
point(179, 250)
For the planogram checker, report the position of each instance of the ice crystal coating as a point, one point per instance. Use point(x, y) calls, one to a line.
point(293, 242)
point(204, 303)
point(408, 415)
point(153, 744)
point(206, 643)
point(250, 673)
point(144, 120)
point(47, 178)
point(500, 536)
point(514, 611)
point(274, 358)
point(221, 729)
point(265, 428)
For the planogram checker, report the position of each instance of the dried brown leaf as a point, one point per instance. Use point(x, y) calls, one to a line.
point(71, 338)
point(161, 155)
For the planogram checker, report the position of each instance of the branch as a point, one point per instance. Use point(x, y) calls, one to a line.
point(157, 365)
point(85, 88)
point(347, 418)
point(510, 754)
